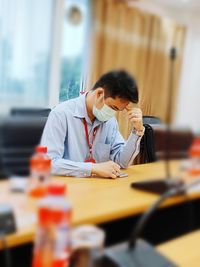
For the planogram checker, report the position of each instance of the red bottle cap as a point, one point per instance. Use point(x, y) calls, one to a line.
point(57, 189)
point(194, 150)
point(41, 149)
point(196, 141)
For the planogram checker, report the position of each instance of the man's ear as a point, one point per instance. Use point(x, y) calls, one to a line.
point(99, 97)
point(99, 92)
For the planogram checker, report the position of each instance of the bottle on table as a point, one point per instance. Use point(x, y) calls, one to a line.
point(53, 241)
point(40, 168)
point(194, 152)
point(87, 245)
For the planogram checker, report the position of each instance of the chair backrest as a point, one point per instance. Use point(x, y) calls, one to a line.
point(30, 112)
point(18, 137)
point(156, 139)
point(151, 120)
point(147, 148)
point(177, 140)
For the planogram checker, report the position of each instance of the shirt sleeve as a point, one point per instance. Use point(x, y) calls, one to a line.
point(123, 153)
point(53, 138)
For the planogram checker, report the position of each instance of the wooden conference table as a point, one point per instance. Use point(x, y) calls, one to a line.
point(184, 251)
point(94, 200)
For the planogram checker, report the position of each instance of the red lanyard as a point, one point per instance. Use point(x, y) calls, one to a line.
point(90, 159)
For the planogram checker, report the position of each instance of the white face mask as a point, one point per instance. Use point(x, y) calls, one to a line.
point(103, 114)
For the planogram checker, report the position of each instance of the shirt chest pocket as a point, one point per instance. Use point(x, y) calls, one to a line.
point(102, 152)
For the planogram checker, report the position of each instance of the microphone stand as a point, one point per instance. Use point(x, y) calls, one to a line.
point(160, 186)
point(173, 55)
point(146, 216)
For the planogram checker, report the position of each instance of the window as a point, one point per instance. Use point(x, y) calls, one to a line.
point(32, 74)
point(25, 50)
point(74, 47)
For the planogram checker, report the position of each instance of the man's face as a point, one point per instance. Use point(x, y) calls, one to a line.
point(117, 103)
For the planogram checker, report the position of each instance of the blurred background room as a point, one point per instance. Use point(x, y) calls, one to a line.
point(55, 50)
point(50, 51)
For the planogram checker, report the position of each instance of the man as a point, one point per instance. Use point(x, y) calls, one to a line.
point(82, 134)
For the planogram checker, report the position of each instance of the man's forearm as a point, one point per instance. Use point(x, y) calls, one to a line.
point(129, 151)
point(71, 168)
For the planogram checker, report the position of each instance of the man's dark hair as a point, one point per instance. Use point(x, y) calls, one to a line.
point(118, 84)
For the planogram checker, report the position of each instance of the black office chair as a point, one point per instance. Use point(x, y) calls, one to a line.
point(30, 112)
point(154, 142)
point(18, 138)
point(178, 141)
point(147, 147)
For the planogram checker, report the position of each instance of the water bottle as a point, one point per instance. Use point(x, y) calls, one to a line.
point(194, 152)
point(53, 242)
point(87, 245)
point(40, 168)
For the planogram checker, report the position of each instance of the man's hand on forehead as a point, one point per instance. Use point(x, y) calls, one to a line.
point(131, 106)
point(134, 114)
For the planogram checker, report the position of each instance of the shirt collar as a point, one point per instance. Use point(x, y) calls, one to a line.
point(81, 111)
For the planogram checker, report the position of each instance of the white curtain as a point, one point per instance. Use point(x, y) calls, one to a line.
point(188, 110)
point(25, 49)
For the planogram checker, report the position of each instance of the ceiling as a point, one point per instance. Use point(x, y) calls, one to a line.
point(192, 5)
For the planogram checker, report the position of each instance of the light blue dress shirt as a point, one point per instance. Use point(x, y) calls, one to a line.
point(64, 136)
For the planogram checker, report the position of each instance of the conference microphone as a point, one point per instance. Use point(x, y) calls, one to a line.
point(137, 252)
point(159, 186)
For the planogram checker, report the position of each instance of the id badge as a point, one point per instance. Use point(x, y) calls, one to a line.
point(90, 160)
